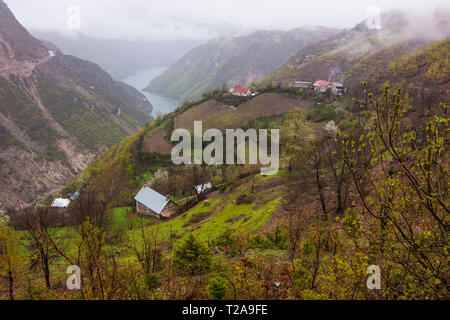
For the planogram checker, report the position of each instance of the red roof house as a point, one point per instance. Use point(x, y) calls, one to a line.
point(241, 92)
point(321, 85)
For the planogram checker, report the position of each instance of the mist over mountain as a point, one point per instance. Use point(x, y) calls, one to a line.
point(120, 58)
point(354, 55)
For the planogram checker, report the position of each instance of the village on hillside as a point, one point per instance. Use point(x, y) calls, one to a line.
point(150, 202)
point(321, 86)
point(337, 88)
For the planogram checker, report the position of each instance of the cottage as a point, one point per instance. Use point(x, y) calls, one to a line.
point(338, 88)
point(321, 85)
point(150, 202)
point(308, 58)
point(60, 203)
point(241, 92)
point(301, 84)
point(203, 187)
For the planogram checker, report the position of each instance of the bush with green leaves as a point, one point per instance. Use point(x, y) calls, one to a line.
point(278, 238)
point(258, 241)
point(323, 112)
point(217, 288)
point(227, 242)
point(193, 257)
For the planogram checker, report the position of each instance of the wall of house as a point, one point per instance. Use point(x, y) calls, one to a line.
point(170, 210)
point(140, 208)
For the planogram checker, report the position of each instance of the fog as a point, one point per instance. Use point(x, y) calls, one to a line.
point(198, 19)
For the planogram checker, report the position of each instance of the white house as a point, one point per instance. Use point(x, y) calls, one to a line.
point(203, 187)
point(301, 84)
point(60, 203)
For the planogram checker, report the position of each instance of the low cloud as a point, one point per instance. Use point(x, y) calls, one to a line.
point(197, 19)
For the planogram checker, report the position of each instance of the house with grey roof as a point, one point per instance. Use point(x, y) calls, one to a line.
point(150, 202)
point(338, 88)
point(60, 203)
point(203, 187)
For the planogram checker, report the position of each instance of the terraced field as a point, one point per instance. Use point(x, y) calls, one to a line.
point(218, 115)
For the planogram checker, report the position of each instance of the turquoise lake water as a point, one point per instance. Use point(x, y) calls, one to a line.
point(141, 79)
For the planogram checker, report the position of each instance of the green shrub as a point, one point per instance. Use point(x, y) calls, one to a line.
point(192, 258)
point(217, 288)
point(227, 242)
point(279, 238)
point(321, 113)
point(259, 242)
point(307, 247)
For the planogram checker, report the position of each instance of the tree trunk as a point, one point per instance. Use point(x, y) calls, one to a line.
point(47, 273)
point(316, 266)
point(11, 285)
point(320, 191)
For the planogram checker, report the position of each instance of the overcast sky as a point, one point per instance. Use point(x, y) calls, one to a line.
point(200, 19)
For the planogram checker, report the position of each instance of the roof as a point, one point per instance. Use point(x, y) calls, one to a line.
point(74, 196)
point(60, 203)
point(202, 187)
point(240, 90)
point(321, 83)
point(152, 199)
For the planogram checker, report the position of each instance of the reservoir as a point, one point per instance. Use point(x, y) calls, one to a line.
point(141, 79)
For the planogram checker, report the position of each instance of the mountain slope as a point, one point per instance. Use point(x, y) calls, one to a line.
point(239, 60)
point(128, 163)
point(57, 113)
point(358, 54)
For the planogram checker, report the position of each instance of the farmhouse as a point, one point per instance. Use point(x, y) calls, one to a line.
point(301, 84)
point(308, 58)
point(321, 85)
point(60, 203)
point(150, 202)
point(203, 187)
point(242, 92)
point(338, 88)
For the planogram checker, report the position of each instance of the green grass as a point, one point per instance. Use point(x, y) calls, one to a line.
point(279, 174)
point(147, 176)
point(216, 219)
point(124, 217)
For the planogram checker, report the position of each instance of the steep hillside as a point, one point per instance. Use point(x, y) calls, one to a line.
point(308, 232)
point(57, 113)
point(240, 60)
point(120, 171)
point(355, 55)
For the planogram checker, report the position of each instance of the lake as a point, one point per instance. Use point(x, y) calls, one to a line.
point(141, 79)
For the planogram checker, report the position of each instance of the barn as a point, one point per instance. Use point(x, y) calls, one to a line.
point(151, 202)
